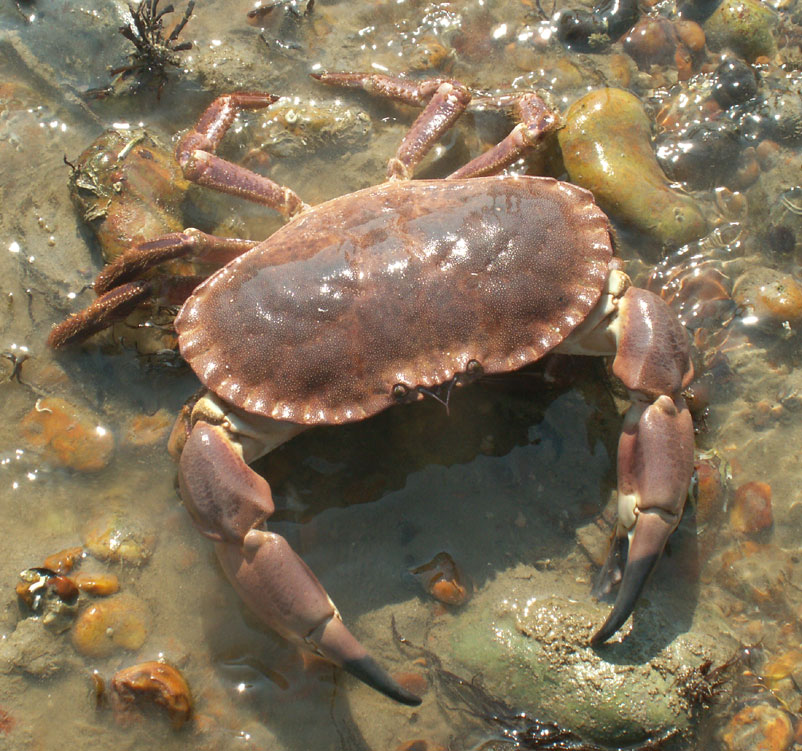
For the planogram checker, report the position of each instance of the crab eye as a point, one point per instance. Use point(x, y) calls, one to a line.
point(473, 368)
point(400, 391)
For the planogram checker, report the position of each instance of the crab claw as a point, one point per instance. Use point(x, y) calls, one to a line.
point(228, 501)
point(655, 463)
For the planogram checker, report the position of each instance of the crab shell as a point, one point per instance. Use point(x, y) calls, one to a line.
point(404, 283)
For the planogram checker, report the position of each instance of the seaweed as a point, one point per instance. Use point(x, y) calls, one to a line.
point(155, 49)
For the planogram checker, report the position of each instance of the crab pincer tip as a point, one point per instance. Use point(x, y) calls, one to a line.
point(367, 670)
point(636, 574)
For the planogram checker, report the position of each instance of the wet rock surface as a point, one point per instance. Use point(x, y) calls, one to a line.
point(606, 148)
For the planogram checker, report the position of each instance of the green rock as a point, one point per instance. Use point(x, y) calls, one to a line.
point(744, 26)
point(606, 147)
point(533, 652)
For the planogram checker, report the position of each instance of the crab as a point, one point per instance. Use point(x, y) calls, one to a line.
point(374, 298)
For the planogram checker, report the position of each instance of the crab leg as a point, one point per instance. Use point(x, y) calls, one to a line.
point(447, 100)
point(118, 303)
point(191, 243)
point(535, 122)
point(195, 154)
point(655, 462)
point(655, 452)
point(228, 501)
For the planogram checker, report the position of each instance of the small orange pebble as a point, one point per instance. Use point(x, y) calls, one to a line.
point(744, 550)
point(64, 587)
point(751, 509)
point(786, 667)
point(710, 488)
point(154, 682)
point(7, 722)
point(767, 152)
point(442, 579)
point(414, 682)
point(749, 170)
point(691, 34)
point(110, 625)
point(69, 435)
point(145, 430)
point(760, 727)
point(97, 584)
point(63, 561)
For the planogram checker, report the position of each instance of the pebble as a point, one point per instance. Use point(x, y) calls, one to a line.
point(63, 561)
point(769, 294)
point(151, 682)
point(420, 745)
point(744, 26)
point(710, 487)
point(147, 430)
point(110, 625)
point(751, 510)
point(442, 578)
point(760, 727)
point(115, 537)
point(97, 584)
point(70, 436)
point(607, 148)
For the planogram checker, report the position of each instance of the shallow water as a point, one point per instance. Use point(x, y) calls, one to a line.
point(510, 481)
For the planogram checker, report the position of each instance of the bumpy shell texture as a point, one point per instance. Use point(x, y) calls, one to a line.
point(404, 283)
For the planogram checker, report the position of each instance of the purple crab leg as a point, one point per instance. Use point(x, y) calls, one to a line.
point(444, 100)
point(228, 502)
point(655, 462)
point(117, 304)
point(536, 121)
point(655, 451)
point(195, 154)
point(191, 243)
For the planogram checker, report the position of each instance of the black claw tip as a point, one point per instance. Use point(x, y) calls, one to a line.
point(367, 670)
point(635, 575)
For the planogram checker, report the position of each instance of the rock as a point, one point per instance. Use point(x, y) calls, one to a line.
point(63, 561)
point(114, 536)
point(771, 295)
point(606, 148)
point(744, 26)
point(758, 574)
point(151, 682)
point(147, 430)
point(97, 584)
point(535, 654)
point(34, 650)
point(110, 625)
point(69, 436)
point(751, 509)
point(761, 727)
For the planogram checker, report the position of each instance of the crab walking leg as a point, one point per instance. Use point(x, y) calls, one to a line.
point(191, 244)
point(442, 111)
point(535, 122)
point(118, 303)
point(444, 100)
point(228, 501)
point(195, 154)
point(655, 452)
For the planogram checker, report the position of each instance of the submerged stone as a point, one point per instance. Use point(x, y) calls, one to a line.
point(534, 652)
point(607, 149)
